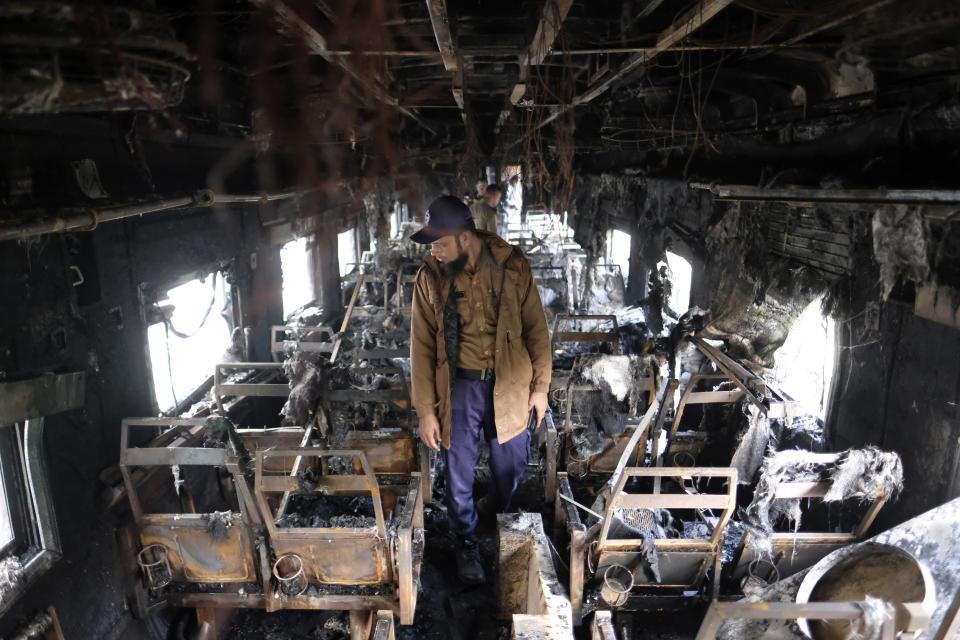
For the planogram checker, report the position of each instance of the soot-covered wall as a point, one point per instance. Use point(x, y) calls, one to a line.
point(98, 327)
point(897, 375)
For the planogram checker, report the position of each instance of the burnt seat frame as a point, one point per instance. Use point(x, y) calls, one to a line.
point(612, 336)
point(796, 551)
point(768, 400)
point(613, 446)
point(330, 555)
point(240, 390)
point(191, 549)
point(686, 551)
point(567, 518)
point(312, 339)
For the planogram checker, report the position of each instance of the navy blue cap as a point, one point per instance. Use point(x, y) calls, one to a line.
point(445, 216)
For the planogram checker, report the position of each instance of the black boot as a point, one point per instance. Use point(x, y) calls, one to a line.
point(468, 561)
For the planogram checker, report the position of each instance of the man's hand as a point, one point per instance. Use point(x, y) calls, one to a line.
point(538, 401)
point(430, 431)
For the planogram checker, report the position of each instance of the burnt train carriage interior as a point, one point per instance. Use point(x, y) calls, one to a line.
point(742, 218)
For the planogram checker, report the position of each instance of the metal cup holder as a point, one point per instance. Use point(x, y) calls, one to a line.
point(288, 570)
point(155, 565)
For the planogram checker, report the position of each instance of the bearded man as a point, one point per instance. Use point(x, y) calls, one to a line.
point(480, 361)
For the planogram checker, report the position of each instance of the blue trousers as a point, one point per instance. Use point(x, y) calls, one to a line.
point(471, 419)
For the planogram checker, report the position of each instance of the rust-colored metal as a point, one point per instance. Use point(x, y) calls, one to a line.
point(612, 336)
point(795, 551)
point(232, 555)
point(683, 561)
point(193, 553)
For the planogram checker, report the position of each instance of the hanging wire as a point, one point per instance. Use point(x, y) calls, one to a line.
point(185, 336)
point(166, 332)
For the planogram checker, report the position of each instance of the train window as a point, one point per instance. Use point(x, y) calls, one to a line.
point(191, 337)
point(295, 267)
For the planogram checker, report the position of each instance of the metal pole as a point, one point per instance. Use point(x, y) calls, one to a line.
point(88, 220)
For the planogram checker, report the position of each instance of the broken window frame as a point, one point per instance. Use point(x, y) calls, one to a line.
point(151, 298)
point(23, 407)
point(14, 490)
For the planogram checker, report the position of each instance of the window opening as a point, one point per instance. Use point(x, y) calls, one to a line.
point(347, 248)
point(190, 340)
point(295, 271)
point(804, 363)
point(618, 251)
point(681, 280)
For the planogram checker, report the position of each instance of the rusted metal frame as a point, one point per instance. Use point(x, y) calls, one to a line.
point(665, 405)
point(550, 464)
point(552, 15)
point(399, 396)
point(692, 20)
point(346, 317)
point(301, 602)
point(368, 479)
point(223, 389)
point(808, 196)
point(612, 336)
point(383, 626)
point(294, 472)
point(156, 459)
point(751, 384)
point(382, 354)
point(318, 45)
point(685, 398)
point(310, 346)
point(410, 521)
point(721, 611)
point(404, 279)
point(426, 477)
point(401, 445)
point(566, 513)
point(869, 517)
point(726, 501)
point(641, 432)
point(601, 628)
point(23, 400)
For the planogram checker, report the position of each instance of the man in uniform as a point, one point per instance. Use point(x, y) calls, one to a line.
point(485, 214)
point(480, 361)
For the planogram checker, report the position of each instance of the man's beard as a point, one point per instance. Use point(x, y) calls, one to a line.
point(452, 269)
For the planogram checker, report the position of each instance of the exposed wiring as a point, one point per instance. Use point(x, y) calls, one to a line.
point(185, 336)
point(166, 331)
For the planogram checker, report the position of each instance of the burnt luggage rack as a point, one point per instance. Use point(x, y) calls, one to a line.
point(596, 336)
point(768, 400)
point(346, 557)
point(181, 547)
point(265, 387)
point(796, 551)
point(311, 339)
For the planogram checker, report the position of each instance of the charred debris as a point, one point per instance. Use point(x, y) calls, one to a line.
point(742, 221)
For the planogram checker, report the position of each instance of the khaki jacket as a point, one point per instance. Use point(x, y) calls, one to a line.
point(484, 216)
point(522, 356)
